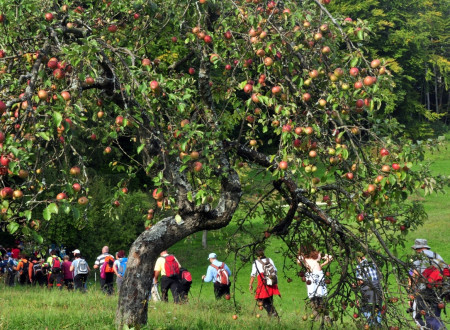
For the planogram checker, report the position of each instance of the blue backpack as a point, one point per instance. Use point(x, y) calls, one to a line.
point(122, 266)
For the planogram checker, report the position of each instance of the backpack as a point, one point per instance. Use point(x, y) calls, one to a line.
point(109, 263)
point(222, 274)
point(186, 277)
point(435, 273)
point(270, 274)
point(171, 267)
point(56, 265)
point(25, 266)
point(102, 271)
point(37, 268)
point(82, 267)
point(122, 266)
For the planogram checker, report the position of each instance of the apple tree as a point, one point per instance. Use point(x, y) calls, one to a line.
point(215, 105)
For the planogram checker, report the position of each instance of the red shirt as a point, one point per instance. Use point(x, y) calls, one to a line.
point(15, 253)
point(65, 266)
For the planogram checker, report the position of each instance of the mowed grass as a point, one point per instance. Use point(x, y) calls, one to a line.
point(38, 308)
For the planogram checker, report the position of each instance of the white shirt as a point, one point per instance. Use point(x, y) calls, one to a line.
point(257, 267)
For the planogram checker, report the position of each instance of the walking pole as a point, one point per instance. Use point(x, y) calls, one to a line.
point(201, 287)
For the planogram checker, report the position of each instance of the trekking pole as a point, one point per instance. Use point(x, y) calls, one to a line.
point(201, 287)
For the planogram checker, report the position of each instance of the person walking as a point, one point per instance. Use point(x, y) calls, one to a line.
point(169, 268)
point(99, 263)
point(315, 278)
point(67, 273)
point(265, 271)
point(55, 272)
point(367, 277)
point(120, 265)
point(23, 267)
point(427, 300)
point(80, 270)
point(220, 273)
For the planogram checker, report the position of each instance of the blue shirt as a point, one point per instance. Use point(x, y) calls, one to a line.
point(211, 272)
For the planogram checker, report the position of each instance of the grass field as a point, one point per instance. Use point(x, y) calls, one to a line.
point(36, 308)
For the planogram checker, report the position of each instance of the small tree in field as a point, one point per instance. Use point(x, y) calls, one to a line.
point(198, 99)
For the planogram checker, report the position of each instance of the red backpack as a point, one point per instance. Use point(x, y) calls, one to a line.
point(171, 266)
point(56, 265)
point(222, 274)
point(435, 273)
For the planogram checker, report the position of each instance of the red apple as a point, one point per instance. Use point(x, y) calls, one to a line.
point(375, 63)
point(83, 200)
point(75, 171)
point(283, 165)
point(191, 71)
point(158, 195)
point(49, 17)
point(208, 39)
point(384, 152)
point(2, 107)
point(198, 166)
point(248, 88)
point(90, 81)
point(354, 71)
point(349, 176)
point(65, 95)
point(154, 85)
point(396, 166)
point(17, 194)
point(61, 196)
point(4, 160)
point(112, 28)
point(6, 193)
point(76, 187)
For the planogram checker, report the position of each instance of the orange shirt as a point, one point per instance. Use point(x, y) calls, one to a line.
point(20, 265)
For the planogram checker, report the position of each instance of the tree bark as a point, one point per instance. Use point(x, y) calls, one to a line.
point(204, 239)
point(132, 309)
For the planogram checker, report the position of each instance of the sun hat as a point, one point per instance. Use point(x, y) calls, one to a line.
point(212, 256)
point(76, 251)
point(420, 243)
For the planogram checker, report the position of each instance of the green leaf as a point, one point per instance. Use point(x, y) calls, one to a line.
point(43, 135)
point(27, 214)
point(139, 149)
point(12, 227)
point(57, 118)
point(38, 238)
point(52, 208)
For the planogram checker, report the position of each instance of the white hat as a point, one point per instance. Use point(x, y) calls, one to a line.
point(212, 256)
point(76, 251)
point(420, 243)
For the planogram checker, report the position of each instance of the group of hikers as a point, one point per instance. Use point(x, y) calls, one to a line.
point(427, 274)
point(61, 272)
point(426, 277)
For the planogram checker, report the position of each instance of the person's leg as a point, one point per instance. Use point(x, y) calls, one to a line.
point(77, 282)
point(164, 288)
point(268, 306)
point(175, 288)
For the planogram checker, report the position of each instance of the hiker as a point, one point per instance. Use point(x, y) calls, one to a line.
point(107, 274)
point(11, 273)
point(315, 278)
point(67, 274)
point(54, 270)
point(220, 273)
point(80, 270)
point(23, 267)
point(99, 263)
point(185, 284)
point(15, 252)
point(169, 268)
point(367, 277)
point(39, 273)
point(265, 271)
point(426, 296)
point(120, 265)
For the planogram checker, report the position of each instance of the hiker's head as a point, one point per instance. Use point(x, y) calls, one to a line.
point(121, 254)
point(420, 244)
point(360, 256)
point(105, 249)
point(260, 253)
point(163, 253)
point(66, 258)
point(77, 255)
point(212, 256)
point(308, 252)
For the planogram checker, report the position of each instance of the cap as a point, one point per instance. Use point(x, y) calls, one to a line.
point(76, 251)
point(212, 256)
point(420, 243)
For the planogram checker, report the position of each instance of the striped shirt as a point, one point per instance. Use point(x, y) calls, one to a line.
point(101, 259)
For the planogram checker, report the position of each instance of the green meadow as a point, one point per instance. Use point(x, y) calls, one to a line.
point(38, 308)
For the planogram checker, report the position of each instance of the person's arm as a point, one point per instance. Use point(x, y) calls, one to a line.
point(30, 271)
point(327, 258)
point(250, 286)
point(209, 274)
point(97, 263)
point(116, 271)
point(155, 277)
point(71, 268)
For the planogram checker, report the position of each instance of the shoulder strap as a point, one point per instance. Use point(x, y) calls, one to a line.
point(222, 265)
point(215, 267)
